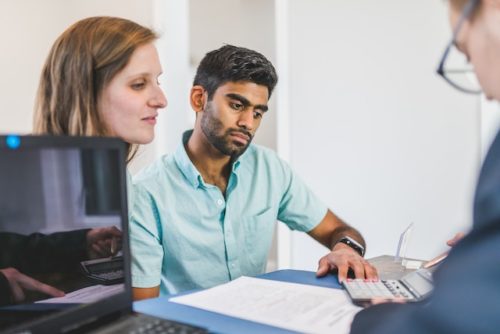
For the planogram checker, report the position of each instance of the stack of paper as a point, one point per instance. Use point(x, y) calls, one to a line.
point(296, 307)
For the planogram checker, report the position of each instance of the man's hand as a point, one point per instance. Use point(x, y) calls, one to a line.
point(103, 242)
point(343, 257)
point(19, 282)
point(397, 300)
point(453, 242)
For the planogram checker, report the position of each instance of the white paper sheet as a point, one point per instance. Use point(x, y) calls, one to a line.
point(87, 295)
point(297, 307)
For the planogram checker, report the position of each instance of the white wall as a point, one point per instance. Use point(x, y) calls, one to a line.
point(374, 132)
point(27, 30)
point(380, 138)
point(172, 23)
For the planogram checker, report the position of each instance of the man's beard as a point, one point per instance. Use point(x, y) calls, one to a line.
point(212, 128)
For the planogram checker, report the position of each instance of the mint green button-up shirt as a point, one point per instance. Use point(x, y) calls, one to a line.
point(186, 235)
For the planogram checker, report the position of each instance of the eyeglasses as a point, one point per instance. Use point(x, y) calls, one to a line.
point(454, 67)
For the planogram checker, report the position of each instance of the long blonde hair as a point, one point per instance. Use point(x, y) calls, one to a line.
point(82, 61)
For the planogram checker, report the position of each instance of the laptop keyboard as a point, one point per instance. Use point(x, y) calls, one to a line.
point(143, 324)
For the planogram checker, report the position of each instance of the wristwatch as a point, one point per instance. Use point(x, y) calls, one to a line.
point(353, 244)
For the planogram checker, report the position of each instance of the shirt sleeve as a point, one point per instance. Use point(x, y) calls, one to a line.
point(299, 208)
point(145, 240)
point(41, 253)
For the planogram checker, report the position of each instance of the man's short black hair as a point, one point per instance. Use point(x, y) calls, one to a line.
point(231, 64)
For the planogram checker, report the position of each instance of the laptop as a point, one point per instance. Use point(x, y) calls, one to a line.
point(64, 246)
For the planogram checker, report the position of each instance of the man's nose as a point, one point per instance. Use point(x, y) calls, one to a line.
point(246, 119)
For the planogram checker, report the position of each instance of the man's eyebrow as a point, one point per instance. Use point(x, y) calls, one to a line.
point(244, 101)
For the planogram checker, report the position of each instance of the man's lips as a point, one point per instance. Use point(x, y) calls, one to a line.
point(241, 137)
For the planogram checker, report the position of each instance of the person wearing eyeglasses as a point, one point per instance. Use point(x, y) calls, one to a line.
point(466, 296)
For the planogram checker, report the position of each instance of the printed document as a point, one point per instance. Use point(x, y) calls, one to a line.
point(297, 307)
point(87, 295)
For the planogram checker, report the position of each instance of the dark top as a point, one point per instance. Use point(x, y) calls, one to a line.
point(39, 253)
point(466, 296)
point(5, 292)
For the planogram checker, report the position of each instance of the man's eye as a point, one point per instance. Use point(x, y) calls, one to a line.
point(236, 106)
point(257, 114)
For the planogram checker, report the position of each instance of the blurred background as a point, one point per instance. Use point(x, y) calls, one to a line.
point(359, 112)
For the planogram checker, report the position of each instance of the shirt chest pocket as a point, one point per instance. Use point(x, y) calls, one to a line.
point(256, 236)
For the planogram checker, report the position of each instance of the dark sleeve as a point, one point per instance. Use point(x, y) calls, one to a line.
point(40, 253)
point(5, 292)
point(466, 297)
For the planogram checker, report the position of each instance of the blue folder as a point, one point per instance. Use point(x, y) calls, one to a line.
point(218, 323)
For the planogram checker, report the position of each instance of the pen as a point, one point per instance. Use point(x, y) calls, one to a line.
point(113, 245)
point(435, 261)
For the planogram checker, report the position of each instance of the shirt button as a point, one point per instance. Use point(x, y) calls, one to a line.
point(220, 202)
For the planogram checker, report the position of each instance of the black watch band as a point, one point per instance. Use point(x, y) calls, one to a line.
point(353, 244)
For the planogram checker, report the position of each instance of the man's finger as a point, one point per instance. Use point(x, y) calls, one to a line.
point(115, 231)
point(17, 292)
point(34, 285)
point(398, 300)
point(358, 268)
point(97, 249)
point(342, 272)
point(456, 239)
point(323, 268)
point(370, 272)
point(111, 231)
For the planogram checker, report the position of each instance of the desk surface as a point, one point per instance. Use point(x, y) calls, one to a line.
point(218, 323)
point(388, 268)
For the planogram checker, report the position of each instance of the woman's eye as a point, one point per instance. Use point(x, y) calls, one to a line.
point(138, 85)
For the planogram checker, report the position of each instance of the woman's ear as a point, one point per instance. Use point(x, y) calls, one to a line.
point(492, 3)
point(197, 98)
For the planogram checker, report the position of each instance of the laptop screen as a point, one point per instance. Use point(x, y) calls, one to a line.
point(63, 231)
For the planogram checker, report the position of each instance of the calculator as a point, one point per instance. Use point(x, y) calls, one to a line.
point(412, 287)
point(105, 271)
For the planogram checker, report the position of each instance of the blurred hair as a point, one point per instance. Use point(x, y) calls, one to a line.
point(459, 5)
point(232, 64)
point(82, 61)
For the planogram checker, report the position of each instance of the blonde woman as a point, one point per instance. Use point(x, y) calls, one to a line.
point(101, 79)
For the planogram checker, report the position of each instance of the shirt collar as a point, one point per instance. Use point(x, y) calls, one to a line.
point(188, 168)
point(184, 163)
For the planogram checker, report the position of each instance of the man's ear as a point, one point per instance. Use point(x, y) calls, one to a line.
point(197, 98)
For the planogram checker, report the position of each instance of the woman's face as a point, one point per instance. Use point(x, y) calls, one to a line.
point(129, 103)
point(479, 40)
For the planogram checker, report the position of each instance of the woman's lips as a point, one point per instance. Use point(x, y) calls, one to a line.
point(150, 120)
